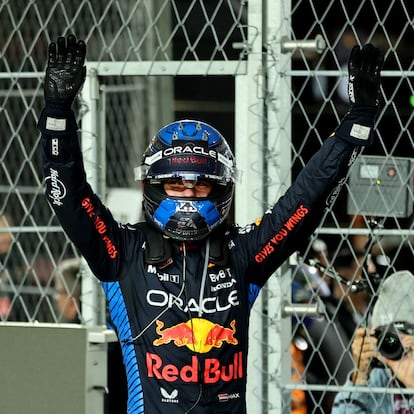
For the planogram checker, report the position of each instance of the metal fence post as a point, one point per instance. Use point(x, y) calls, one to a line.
point(93, 147)
point(248, 150)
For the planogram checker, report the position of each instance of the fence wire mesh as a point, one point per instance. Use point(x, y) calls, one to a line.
point(371, 223)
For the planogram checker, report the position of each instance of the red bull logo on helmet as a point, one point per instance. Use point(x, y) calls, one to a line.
point(197, 334)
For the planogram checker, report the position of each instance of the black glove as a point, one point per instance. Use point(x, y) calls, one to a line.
point(364, 81)
point(65, 71)
point(364, 70)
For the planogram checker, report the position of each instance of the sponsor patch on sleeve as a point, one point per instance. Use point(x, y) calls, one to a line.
point(360, 132)
point(55, 124)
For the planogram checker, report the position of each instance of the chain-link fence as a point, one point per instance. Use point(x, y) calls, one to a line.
point(272, 78)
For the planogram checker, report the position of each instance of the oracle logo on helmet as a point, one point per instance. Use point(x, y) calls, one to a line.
point(188, 149)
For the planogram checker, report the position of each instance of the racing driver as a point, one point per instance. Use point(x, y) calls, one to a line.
point(180, 285)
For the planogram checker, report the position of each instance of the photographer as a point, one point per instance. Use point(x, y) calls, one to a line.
point(383, 356)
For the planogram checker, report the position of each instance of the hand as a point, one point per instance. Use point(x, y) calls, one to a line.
point(364, 69)
point(65, 71)
point(364, 348)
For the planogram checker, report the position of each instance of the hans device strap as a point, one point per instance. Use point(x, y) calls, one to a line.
point(158, 247)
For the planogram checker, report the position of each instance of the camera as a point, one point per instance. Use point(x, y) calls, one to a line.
point(389, 343)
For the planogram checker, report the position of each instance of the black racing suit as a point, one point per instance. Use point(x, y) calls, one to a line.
point(183, 326)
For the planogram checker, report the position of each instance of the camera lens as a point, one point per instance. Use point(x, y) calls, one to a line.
point(389, 344)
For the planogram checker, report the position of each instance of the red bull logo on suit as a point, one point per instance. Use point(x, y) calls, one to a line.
point(212, 370)
point(199, 335)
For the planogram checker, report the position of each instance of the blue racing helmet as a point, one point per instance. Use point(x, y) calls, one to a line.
point(187, 150)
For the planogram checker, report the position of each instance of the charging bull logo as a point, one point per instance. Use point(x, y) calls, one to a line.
point(197, 334)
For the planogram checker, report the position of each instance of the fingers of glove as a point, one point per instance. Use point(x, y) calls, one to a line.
point(76, 51)
point(354, 60)
point(377, 62)
point(71, 48)
point(366, 55)
point(80, 53)
point(365, 66)
point(66, 71)
point(61, 50)
point(52, 53)
point(369, 60)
